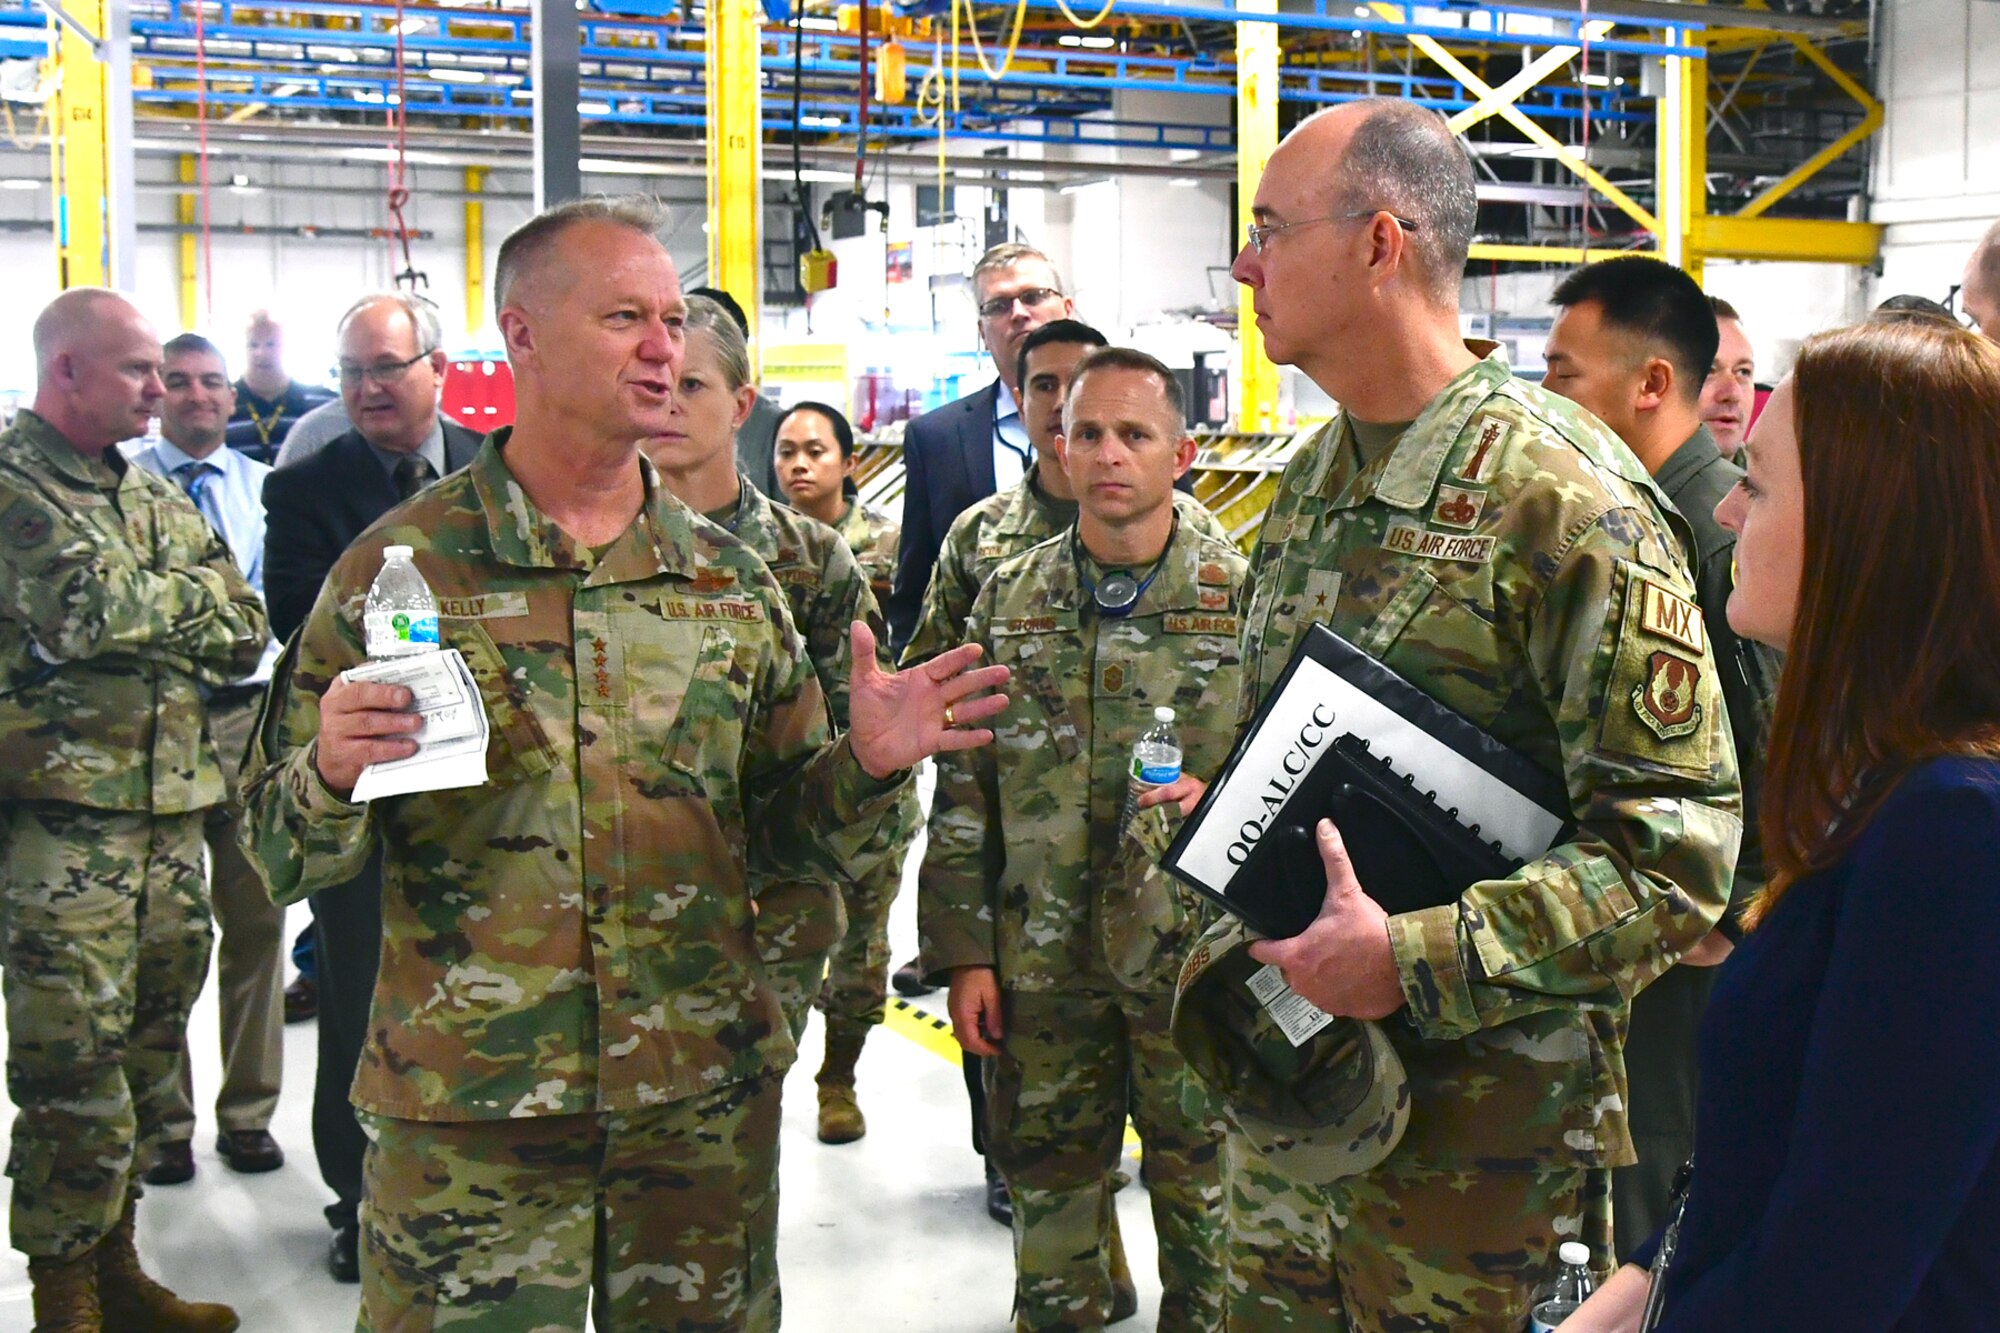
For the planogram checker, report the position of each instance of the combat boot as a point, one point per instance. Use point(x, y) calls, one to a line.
point(134, 1303)
point(840, 1118)
point(66, 1294)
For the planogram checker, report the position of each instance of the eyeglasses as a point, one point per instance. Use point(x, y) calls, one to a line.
point(384, 373)
point(1261, 236)
point(1951, 307)
point(1034, 299)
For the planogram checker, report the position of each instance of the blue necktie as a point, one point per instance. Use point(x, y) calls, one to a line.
point(194, 478)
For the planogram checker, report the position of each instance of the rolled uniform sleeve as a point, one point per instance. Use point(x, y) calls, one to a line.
point(1652, 779)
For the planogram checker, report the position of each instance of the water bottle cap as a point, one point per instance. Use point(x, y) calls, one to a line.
point(1163, 714)
point(398, 552)
point(1574, 1252)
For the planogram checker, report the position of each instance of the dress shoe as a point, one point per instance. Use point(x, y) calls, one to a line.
point(301, 1000)
point(999, 1204)
point(249, 1151)
point(174, 1165)
point(909, 980)
point(343, 1257)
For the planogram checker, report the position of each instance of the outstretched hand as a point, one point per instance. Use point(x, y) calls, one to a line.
point(1343, 963)
point(895, 719)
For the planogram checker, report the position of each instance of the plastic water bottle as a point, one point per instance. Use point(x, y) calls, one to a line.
point(1558, 1300)
point(401, 615)
point(1156, 761)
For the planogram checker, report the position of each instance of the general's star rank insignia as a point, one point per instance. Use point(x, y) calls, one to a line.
point(1665, 699)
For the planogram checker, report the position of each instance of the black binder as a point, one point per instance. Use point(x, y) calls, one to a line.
point(1428, 803)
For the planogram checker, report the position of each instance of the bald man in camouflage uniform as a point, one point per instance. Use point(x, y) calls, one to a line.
point(118, 606)
point(572, 1072)
point(1500, 549)
point(1022, 906)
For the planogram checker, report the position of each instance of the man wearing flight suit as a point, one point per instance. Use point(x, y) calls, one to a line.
point(1499, 549)
point(573, 1072)
point(118, 605)
point(1022, 905)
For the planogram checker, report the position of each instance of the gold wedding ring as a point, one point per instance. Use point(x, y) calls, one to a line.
point(949, 720)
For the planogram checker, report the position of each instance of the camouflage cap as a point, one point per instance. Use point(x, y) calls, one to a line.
point(1333, 1107)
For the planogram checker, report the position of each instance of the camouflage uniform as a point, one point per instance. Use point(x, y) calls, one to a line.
point(857, 975)
point(575, 940)
point(801, 920)
point(1511, 557)
point(997, 529)
point(1021, 874)
point(107, 572)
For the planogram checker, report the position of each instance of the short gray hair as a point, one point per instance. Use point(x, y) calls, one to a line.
point(713, 319)
point(1987, 258)
point(1006, 255)
point(423, 318)
point(1404, 159)
point(529, 243)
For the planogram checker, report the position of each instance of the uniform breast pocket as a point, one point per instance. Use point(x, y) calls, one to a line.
point(517, 746)
point(1040, 721)
point(704, 743)
point(1442, 639)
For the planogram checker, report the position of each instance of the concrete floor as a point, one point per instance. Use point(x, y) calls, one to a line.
point(885, 1234)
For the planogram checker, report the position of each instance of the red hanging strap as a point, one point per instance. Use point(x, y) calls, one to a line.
point(399, 190)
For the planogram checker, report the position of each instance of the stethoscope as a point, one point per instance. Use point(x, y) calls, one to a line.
point(1120, 589)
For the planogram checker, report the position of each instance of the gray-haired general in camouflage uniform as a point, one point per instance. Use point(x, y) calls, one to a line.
point(1506, 554)
point(573, 1062)
point(1023, 879)
point(118, 606)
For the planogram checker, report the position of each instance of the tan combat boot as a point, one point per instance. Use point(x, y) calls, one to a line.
point(840, 1119)
point(134, 1303)
point(66, 1294)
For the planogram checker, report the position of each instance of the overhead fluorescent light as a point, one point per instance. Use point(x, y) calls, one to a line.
point(612, 166)
point(1094, 43)
point(821, 122)
point(20, 183)
point(410, 25)
point(593, 108)
point(827, 177)
point(1185, 182)
point(811, 24)
point(1596, 80)
point(456, 75)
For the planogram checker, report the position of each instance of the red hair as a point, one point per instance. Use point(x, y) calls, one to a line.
point(1895, 652)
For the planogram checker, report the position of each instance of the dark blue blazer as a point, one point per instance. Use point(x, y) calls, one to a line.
point(948, 468)
point(1846, 1177)
point(314, 508)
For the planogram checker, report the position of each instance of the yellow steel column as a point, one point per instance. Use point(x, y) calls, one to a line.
point(1256, 137)
point(735, 149)
point(185, 243)
point(1682, 158)
point(83, 178)
point(475, 252)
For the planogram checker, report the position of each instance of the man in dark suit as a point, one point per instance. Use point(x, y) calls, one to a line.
point(968, 449)
point(390, 368)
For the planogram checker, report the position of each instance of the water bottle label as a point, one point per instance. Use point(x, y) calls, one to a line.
point(392, 632)
point(1159, 775)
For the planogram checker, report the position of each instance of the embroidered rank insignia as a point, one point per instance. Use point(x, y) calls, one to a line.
point(1665, 699)
point(1322, 594)
point(1458, 508)
point(1487, 445)
point(1114, 678)
point(1670, 617)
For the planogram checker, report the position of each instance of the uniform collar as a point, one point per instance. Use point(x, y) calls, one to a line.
point(754, 520)
point(1410, 476)
point(1030, 510)
point(1177, 587)
point(1695, 453)
point(660, 541)
point(103, 473)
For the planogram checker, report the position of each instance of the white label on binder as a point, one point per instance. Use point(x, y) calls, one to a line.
point(1295, 1015)
point(1316, 708)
